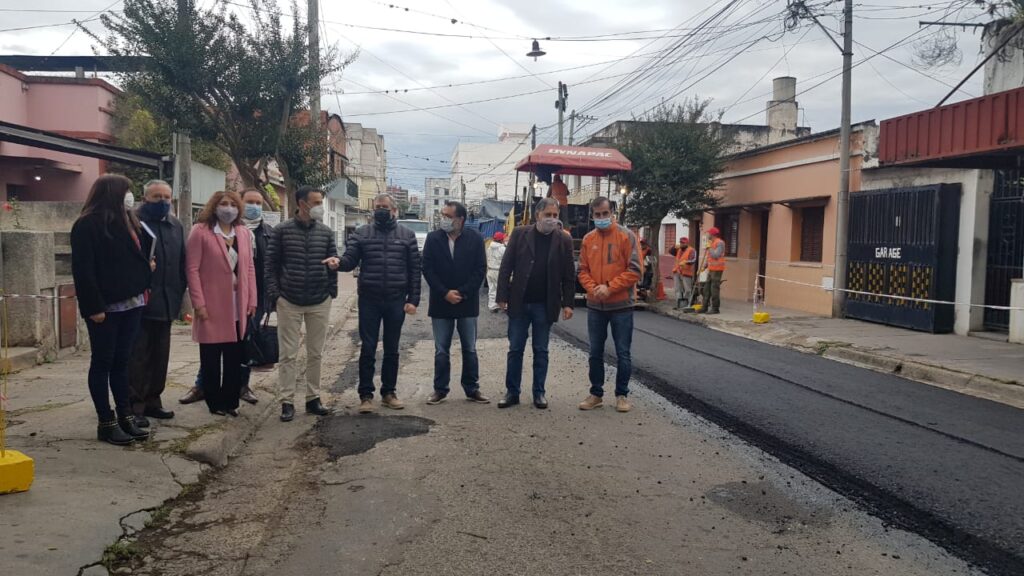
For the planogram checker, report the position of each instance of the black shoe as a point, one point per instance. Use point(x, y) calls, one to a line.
point(159, 413)
point(540, 401)
point(233, 412)
point(714, 311)
point(141, 421)
point(218, 412)
point(127, 424)
point(111, 433)
point(315, 407)
point(287, 412)
point(508, 401)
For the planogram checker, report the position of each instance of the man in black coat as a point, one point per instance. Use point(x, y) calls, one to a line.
point(536, 284)
point(163, 241)
point(454, 265)
point(389, 289)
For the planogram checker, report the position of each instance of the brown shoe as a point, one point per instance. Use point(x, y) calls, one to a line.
point(591, 402)
point(622, 404)
point(194, 395)
point(392, 401)
point(366, 406)
point(247, 396)
point(436, 398)
point(478, 398)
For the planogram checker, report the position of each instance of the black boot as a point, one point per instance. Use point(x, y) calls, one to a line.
point(108, 431)
point(287, 412)
point(315, 407)
point(127, 424)
point(508, 401)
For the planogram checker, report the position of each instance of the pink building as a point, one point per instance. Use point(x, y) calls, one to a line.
point(75, 107)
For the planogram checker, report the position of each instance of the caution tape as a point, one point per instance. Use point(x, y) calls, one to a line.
point(34, 297)
point(893, 296)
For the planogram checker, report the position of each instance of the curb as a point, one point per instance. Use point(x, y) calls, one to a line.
point(216, 448)
point(971, 384)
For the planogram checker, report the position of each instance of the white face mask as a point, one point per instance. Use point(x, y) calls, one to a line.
point(129, 200)
point(447, 224)
point(547, 225)
point(316, 213)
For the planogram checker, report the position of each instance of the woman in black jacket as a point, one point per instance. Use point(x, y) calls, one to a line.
point(112, 277)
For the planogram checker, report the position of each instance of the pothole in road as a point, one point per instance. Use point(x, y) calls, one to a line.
point(345, 435)
point(764, 502)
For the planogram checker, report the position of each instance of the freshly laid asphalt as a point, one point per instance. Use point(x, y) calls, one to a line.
point(947, 466)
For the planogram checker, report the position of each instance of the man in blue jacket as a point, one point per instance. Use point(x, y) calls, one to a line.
point(454, 265)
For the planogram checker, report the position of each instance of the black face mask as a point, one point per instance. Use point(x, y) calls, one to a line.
point(382, 215)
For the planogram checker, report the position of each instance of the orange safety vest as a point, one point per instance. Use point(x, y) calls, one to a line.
point(684, 262)
point(716, 264)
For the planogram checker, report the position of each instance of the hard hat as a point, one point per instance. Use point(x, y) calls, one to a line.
point(499, 236)
point(714, 231)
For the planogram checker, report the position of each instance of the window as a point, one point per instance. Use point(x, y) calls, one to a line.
point(729, 224)
point(812, 229)
point(437, 202)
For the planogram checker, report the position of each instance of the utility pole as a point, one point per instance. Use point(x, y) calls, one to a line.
point(560, 105)
point(572, 125)
point(313, 21)
point(182, 143)
point(462, 186)
point(843, 205)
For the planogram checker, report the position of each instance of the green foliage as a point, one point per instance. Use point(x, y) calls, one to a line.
point(677, 153)
point(231, 81)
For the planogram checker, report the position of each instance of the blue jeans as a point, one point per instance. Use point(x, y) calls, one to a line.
point(444, 329)
point(372, 314)
point(622, 335)
point(534, 315)
point(112, 342)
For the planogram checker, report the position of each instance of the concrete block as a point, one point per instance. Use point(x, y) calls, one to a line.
point(29, 270)
point(16, 472)
point(1017, 316)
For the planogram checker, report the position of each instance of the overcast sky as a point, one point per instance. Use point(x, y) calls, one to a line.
point(723, 63)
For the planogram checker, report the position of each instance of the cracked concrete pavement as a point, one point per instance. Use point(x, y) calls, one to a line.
point(462, 488)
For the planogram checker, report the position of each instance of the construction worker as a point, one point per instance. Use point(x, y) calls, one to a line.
point(686, 265)
point(495, 252)
point(714, 263)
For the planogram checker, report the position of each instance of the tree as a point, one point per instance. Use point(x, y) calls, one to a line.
point(236, 84)
point(677, 153)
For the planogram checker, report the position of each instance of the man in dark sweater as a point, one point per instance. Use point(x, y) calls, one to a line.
point(163, 242)
point(301, 280)
point(454, 266)
point(389, 289)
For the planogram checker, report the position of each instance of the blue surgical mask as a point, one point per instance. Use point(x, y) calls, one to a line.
point(253, 212)
point(603, 223)
point(155, 210)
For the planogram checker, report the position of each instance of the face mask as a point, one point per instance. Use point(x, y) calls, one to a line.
point(447, 224)
point(227, 214)
point(253, 211)
point(129, 200)
point(155, 210)
point(547, 225)
point(316, 213)
point(382, 215)
point(603, 223)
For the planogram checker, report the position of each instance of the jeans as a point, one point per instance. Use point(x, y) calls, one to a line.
point(246, 370)
point(221, 388)
point(535, 315)
point(373, 313)
point(112, 342)
point(713, 290)
point(622, 335)
point(444, 329)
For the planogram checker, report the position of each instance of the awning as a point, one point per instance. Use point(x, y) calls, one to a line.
point(575, 160)
point(750, 207)
point(807, 202)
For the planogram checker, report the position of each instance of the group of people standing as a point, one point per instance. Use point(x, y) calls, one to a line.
point(133, 264)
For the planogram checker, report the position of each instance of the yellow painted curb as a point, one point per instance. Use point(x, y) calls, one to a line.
point(16, 472)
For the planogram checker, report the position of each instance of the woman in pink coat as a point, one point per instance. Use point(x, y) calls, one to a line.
point(222, 285)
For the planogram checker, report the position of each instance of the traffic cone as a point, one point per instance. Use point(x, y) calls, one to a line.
point(661, 291)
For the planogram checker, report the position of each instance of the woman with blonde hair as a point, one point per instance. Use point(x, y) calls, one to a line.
point(222, 284)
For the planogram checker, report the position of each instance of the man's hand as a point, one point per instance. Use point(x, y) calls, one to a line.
point(566, 313)
point(410, 309)
point(601, 292)
point(333, 263)
point(98, 318)
point(453, 297)
point(202, 314)
point(503, 306)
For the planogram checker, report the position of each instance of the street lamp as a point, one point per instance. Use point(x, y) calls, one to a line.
point(536, 52)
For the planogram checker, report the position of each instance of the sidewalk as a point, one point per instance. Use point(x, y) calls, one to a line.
point(87, 494)
point(975, 366)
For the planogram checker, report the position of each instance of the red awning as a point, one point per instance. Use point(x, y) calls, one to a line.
point(575, 160)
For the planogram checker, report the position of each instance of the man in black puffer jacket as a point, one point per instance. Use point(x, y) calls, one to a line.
point(301, 279)
point(389, 288)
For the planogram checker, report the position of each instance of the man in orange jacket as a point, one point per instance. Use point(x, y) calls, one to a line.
point(609, 270)
point(715, 264)
point(686, 265)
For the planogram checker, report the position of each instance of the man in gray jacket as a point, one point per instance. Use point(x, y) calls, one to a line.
point(301, 280)
point(389, 288)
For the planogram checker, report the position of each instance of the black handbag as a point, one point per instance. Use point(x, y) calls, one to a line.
point(261, 344)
